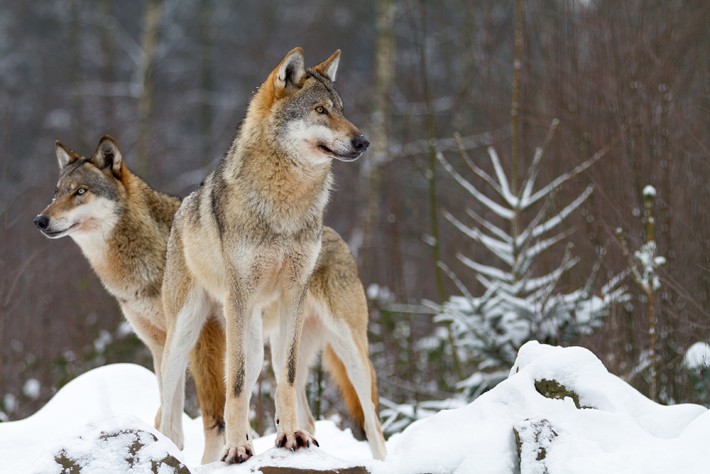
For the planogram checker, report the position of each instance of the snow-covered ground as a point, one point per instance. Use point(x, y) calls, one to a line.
point(99, 417)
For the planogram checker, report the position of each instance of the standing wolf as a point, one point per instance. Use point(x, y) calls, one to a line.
point(122, 226)
point(250, 238)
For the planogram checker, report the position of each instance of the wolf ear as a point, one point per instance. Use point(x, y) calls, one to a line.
point(64, 155)
point(107, 155)
point(290, 71)
point(329, 67)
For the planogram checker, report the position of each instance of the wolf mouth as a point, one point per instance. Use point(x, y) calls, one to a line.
point(58, 233)
point(338, 156)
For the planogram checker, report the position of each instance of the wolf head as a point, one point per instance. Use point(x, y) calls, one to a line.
point(88, 194)
point(305, 112)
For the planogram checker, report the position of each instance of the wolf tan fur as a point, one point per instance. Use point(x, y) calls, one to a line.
point(249, 240)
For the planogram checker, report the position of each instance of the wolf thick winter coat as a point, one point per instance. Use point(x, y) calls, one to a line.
point(249, 240)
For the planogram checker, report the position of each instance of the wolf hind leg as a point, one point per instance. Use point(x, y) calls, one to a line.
point(183, 332)
point(311, 345)
point(347, 349)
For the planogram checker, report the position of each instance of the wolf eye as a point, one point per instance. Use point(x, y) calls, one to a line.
point(321, 110)
point(80, 191)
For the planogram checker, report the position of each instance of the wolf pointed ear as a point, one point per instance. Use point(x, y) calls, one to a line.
point(108, 156)
point(64, 155)
point(329, 67)
point(290, 71)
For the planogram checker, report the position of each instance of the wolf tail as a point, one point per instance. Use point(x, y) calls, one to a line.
point(207, 369)
point(335, 367)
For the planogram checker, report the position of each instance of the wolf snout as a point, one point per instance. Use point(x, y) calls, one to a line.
point(42, 222)
point(359, 143)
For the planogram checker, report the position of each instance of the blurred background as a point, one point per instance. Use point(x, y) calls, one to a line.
point(455, 96)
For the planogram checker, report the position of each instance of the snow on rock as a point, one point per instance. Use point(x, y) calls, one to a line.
point(533, 438)
point(106, 448)
point(101, 398)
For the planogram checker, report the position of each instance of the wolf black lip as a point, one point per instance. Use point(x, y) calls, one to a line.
point(58, 232)
point(349, 157)
point(342, 157)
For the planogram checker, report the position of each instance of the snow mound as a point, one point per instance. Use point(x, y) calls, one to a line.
point(559, 411)
point(616, 430)
point(107, 399)
point(96, 420)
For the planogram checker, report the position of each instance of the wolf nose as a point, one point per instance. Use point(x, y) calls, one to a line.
point(360, 143)
point(42, 222)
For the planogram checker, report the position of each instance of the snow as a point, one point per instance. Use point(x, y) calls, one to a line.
point(697, 356)
point(31, 388)
point(617, 430)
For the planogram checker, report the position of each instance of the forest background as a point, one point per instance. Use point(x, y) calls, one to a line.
point(438, 88)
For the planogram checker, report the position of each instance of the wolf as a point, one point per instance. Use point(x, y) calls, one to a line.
point(249, 240)
point(122, 226)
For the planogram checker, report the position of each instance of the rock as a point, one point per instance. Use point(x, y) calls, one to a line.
point(291, 470)
point(554, 389)
point(121, 450)
point(533, 438)
point(303, 461)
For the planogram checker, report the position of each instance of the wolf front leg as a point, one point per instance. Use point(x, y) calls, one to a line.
point(245, 354)
point(286, 355)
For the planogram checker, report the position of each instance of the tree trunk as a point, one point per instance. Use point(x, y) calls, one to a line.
point(371, 170)
point(151, 22)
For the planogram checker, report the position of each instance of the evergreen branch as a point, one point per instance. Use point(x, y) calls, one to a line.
point(554, 281)
point(491, 205)
point(488, 225)
point(535, 284)
point(487, 270)
point(505, 193)
point(562, 215)
point(569, 175)
point(526, 189)
point(523, 240)
point(476, 170)
point(496, 247)
point(526, 257)
point(457, 282)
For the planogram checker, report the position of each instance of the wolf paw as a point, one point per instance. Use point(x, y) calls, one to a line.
point(295, 440)
point(237, 454)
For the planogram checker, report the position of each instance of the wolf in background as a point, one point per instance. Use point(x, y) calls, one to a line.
point(249, 240)
point(122, 226)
